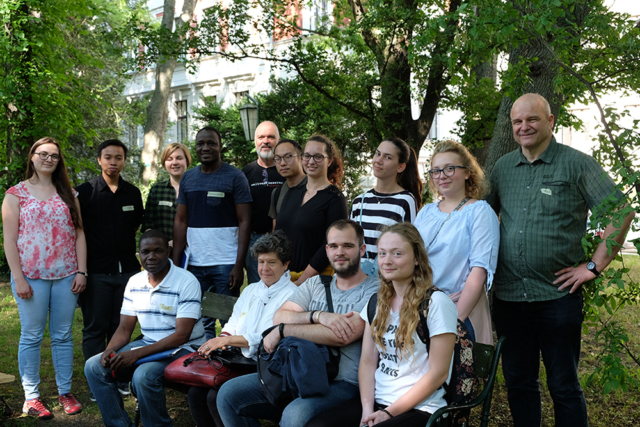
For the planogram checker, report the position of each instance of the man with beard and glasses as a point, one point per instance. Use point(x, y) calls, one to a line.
point(304, 315)
point(263, 177)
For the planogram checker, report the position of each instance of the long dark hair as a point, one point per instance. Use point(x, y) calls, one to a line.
point(59, 178)
point(336, 170)
point(409, 178)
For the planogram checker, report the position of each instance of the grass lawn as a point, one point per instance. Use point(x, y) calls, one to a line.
point(616, 409)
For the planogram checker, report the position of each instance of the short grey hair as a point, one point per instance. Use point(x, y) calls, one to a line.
point(276, 242)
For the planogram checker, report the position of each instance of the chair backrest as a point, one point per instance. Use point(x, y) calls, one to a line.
point(482, 358)
point(217, 306)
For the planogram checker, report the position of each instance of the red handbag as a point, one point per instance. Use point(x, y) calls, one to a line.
point(196, 370)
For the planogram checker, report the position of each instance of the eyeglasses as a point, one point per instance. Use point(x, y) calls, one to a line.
point(44, 156)
point(448, 171)
point(287, 158)
point(319, 158)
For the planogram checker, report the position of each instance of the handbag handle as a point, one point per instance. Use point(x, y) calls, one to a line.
point(326, 281)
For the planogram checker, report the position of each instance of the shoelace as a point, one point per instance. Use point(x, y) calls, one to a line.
point(68, 400)
point(38, 405)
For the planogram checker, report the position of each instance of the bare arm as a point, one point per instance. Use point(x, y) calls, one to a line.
point(243, 212)
point(440, 354)
point(184, 326)
point(10, 227)
point(575, 277)
point(366, 373)
point(471, 292)
point(180, 225)
point(223, 342)
point(306, 274)
point(80, 281)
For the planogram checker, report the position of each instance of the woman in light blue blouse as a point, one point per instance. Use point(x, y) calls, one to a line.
point(461, 234)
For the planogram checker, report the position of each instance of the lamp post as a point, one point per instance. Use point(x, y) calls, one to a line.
point(250, 115)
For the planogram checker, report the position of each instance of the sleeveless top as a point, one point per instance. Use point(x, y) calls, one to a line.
point(46, 236)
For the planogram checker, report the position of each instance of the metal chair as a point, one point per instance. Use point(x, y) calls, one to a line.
point(486, 359)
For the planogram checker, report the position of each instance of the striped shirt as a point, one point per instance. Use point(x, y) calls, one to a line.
point(378, 210)
point(177, 296)
point(543, 208)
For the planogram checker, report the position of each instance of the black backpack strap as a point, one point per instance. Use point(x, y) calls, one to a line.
point(371, 307)
point(326, 281)
point(423, 328)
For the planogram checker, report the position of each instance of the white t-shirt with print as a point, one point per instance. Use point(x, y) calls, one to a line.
point(395, 376)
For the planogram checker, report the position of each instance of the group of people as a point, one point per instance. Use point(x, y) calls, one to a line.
point(285, 220)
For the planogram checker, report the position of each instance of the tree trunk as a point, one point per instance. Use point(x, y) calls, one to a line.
point(157, 111)
point(540, 80)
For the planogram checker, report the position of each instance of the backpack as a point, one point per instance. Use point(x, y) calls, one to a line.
point(463, 384)
point(272, 384)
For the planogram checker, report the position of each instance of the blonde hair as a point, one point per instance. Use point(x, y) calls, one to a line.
point(169, 149)
point(476, 186)
point(414, 296)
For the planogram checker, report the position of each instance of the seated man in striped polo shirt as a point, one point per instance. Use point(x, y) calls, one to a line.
point(165, 299)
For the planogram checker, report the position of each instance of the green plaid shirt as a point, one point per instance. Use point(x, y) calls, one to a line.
point(161, 207)
point(543, 209)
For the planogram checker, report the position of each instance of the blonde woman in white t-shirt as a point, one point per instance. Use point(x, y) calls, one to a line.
point(400, 383)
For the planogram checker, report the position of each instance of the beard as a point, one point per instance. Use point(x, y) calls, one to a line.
point(266, 155)
point(349, 270)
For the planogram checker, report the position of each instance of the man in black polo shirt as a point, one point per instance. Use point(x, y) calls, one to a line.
point(111, 214)
point(263, 178)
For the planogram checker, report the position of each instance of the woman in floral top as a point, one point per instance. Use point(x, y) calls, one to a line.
point(46, 251)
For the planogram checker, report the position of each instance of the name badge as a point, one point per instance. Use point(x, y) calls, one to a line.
point(546, 191)
point(215, 194)
point(164, 307)
point(165, 203)
point(127, 208)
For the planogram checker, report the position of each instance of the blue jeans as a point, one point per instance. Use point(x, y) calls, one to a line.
point(250, 263)
point(553, 329)
point(215, 279)
point(241, 403)
point(148, 386)
point(51, 299)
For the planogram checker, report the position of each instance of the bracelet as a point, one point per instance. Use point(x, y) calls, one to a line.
point(387, 412)
point(281, 329)
point(83, 273)
point(318, 316)
point(311, 317)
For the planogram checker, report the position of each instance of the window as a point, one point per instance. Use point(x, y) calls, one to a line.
point(182, 124)
point(240, 96)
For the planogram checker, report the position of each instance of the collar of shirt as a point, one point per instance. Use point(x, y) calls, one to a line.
point(102, 184)
point(546, 157)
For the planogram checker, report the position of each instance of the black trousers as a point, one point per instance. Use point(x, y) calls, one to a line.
point(202, 404)
point(349, 414)
point(100, 303)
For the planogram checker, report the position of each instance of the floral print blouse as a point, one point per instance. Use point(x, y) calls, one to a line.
point(46, 237)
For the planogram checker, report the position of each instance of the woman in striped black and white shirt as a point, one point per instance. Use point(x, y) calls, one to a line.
point(395, 198)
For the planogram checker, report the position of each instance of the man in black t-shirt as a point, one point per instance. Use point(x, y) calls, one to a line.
point(112, 212)
point(263, 178)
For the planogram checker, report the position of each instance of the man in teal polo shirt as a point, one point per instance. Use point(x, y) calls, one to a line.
point(543, 193)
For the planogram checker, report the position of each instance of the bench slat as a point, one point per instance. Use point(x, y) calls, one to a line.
point(217, 306)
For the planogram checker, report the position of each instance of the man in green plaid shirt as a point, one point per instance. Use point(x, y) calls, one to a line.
point(543, 192)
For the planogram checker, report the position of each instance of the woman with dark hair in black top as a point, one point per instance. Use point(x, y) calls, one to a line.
point(308, 211)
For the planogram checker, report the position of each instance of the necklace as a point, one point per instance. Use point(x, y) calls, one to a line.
point(465, 200)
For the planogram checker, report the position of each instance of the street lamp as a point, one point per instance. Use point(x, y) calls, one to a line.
point(250, 115)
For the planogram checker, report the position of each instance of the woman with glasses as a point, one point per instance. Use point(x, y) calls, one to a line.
point(307, 211)
point(461, 234)
point(160, 210)
point(397, 196)
point(47, 254)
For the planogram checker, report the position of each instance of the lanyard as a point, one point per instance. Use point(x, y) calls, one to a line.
point(466, 199)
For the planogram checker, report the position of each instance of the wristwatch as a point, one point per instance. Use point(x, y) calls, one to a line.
point(83, 273)
point(591, 266)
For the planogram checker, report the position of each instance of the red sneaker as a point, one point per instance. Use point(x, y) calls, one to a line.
point(70, 404)
point(35, 408)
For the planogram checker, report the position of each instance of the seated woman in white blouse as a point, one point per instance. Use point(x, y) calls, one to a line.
point(252, 314)
point(461, 234)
